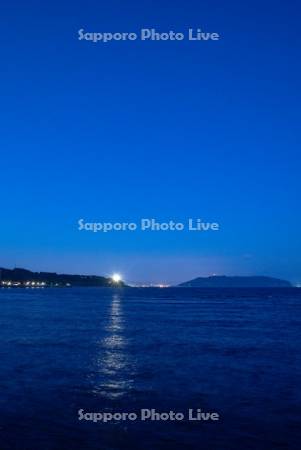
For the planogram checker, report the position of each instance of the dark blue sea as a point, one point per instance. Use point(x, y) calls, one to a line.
point(236, 353)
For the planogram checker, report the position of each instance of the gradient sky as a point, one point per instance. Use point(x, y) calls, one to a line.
point(170, 130)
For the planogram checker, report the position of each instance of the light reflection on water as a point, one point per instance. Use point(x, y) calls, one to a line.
point(114, 364)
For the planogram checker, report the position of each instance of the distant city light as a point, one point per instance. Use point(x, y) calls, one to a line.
point(116, 278)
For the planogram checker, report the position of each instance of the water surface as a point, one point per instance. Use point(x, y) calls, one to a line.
point(234, 352)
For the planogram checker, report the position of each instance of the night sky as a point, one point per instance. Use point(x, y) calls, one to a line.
point(166, 130)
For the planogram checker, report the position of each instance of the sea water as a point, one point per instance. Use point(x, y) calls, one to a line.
point(231, 354)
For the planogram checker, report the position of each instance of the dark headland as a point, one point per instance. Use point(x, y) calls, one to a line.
point(22, 277)
point(236, 282)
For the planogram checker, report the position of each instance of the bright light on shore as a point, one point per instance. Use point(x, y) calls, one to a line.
point(116, 278)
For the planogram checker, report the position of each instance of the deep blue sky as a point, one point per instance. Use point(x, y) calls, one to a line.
point(171, 130)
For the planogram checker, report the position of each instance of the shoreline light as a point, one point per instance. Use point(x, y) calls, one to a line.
point(116, 277)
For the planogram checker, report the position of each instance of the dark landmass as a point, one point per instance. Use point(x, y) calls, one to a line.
point(236, 282)
point(23, 277)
